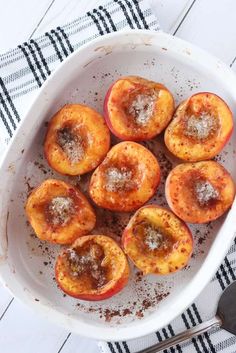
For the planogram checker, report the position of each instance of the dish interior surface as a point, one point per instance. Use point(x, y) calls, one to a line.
point(27, 265)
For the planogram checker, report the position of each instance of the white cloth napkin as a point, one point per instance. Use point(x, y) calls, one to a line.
point(22, 72)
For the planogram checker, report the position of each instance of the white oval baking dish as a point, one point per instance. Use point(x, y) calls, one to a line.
point(26, 266)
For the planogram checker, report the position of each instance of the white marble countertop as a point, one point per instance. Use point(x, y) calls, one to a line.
point(207, 23)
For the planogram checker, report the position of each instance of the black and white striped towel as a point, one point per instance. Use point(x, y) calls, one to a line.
point(22, 72)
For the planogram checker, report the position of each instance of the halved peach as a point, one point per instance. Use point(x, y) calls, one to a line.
point(201, 127)
point(137, 109)
point(77, 140)
point(93, 268)
point(59, 212)
point(126, 179)
point(199, 192)
point(157, 241)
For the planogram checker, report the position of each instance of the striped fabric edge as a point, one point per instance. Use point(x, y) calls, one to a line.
point(37, 58)
point(133, 10)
